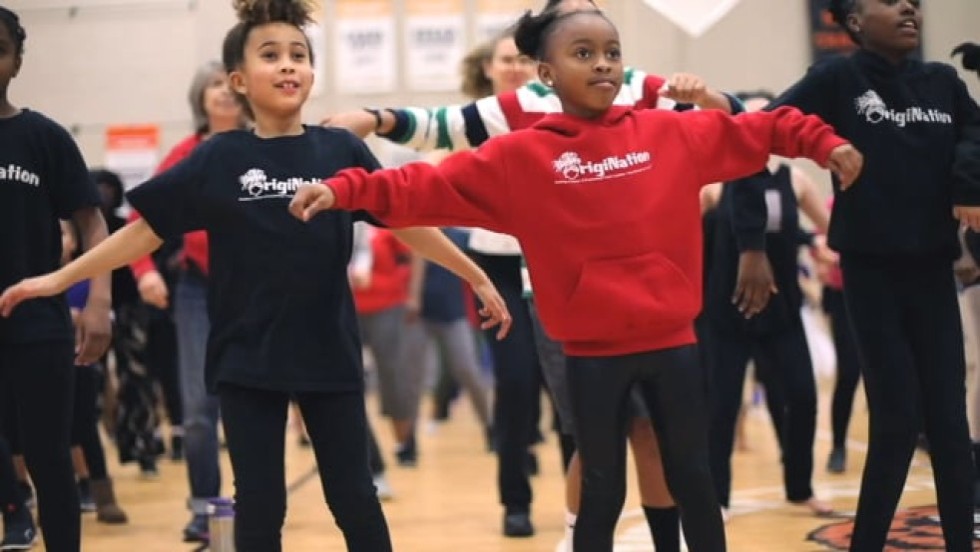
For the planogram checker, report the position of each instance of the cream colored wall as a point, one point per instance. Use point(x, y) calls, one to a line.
point(132, 63)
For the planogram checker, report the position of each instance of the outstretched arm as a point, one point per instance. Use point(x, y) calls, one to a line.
point(119, 249)
point(467, 189)
point(436, 247)
point(727, 148)
point(94, 327)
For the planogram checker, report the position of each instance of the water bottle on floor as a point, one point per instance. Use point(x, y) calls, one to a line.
point(221, 525)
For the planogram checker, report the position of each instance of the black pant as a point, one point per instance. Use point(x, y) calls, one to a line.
point(787, 373)
point(517, 379)
point(672, 384)
point(907, 325)
point(85, 421)
point(255, 426)
point(848, 364)
point(161, 361)
point(39, 379)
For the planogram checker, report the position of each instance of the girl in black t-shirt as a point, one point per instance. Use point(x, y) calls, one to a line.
point(282, 320)
point(42, 179)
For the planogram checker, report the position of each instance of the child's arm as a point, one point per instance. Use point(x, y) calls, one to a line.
point(467, 189)
point(727, 148)
point(119, 249)
point(432, 244)
point(94, 326)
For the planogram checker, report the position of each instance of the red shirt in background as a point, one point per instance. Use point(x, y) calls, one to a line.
point(391, 271)
point(195, 243)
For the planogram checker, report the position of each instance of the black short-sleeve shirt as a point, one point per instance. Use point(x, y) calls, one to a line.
point(282, 315)
point(43, 178)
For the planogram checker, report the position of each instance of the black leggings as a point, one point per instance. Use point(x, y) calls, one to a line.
point(672, 384)
point(10, 499)
point(848, 364)
point(84, 424)
point(255, 424)
point(39, 379)
point(907, 325)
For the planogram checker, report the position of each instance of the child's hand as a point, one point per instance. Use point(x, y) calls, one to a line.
point(968, 215)
point(93, 333)
point(494, 309)
point(29, 288)
point(153, 289)
point(685, 88)
point(754, 284)
point(846, 162)
point(310, 200)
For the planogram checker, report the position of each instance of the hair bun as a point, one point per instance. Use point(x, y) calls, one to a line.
point(971, 55)
point(257, 12)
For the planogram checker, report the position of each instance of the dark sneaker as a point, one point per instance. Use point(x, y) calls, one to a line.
point(408, 454)
point(19, 535)
point(85, 500)
point(518, 524)
point(148, 468)
point(197, 529)
point(837, 462)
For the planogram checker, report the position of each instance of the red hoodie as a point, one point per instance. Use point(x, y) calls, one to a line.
point(606, 210)
point(195, 243)
point(391, 272)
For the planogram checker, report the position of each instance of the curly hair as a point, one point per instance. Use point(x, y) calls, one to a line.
point(970, 53)
point(252, 13)
point(17, 32)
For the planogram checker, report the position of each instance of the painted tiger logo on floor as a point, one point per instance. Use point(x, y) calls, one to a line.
point(913, 529)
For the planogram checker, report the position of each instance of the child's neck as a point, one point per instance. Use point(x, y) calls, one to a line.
point(7, 109)
point(271, 126)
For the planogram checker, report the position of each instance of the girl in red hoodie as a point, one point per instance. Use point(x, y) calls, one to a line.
point(604, 201)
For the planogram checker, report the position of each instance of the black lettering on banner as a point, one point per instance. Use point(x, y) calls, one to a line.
point(360, 40)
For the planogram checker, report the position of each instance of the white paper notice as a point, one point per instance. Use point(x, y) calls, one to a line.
point(435, 43)
point(364, 47)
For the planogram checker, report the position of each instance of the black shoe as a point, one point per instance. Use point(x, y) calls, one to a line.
point(518, 524)
point(19, 534)
point(148, 468)
point(85, 500)
point(837, 462)
point(176, 448)
point(408, 454)
point(197, 529)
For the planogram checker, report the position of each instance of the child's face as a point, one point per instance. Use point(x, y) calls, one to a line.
point(276, 75)
point(888, 27)
point(9, 58)
point(219, 102)
point(508, 69)
point(582, 62)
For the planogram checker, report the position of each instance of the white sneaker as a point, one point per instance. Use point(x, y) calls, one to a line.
point(383, 488)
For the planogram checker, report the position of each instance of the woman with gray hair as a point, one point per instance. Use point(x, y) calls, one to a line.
point(214, 109)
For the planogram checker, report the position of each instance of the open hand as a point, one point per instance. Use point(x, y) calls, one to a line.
point(494, 310)
point(29, 288)
point(754, 285)
point(846, 162)
point(968, 215)
point(359, 122)
point(310, 200)
point(685, 88)
point(93, 333)
point(153, 289)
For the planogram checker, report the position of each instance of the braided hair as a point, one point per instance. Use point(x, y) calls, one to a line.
point(10, 20)
point(840, 10)
point(970, 53)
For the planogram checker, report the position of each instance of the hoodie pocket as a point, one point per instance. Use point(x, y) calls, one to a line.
point(627, 297)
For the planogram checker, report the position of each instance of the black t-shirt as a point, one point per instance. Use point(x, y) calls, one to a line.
point(282, 314)
point(43, 178)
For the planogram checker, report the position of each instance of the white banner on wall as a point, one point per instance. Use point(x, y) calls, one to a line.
point(364, 47)
point(693, 16)
point(435, 43)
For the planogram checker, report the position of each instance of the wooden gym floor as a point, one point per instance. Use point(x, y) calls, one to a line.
point(449, 503)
